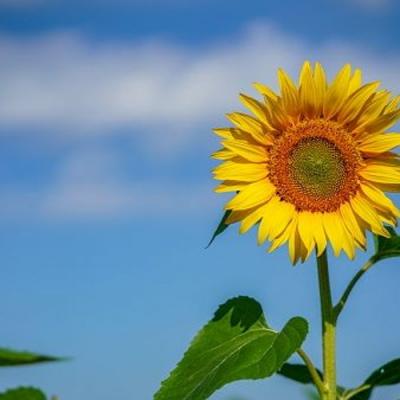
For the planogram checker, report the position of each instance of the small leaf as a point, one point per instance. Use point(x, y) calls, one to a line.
point(386, 247)
point(220, 228)
point(297, 372)
point(11, 358)
point(236, 344)
point(388, 374)
point(23, 393)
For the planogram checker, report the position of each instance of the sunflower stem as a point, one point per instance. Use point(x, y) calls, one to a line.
point(319, 384)
point(339, 306)
point(328, 329)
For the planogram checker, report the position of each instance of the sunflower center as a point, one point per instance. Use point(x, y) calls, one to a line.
point(314, 165)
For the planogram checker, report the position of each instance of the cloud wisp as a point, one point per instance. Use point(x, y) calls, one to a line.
point(65, 87)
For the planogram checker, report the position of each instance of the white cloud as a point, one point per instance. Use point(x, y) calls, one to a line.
point(65, 84)
point(65, 87)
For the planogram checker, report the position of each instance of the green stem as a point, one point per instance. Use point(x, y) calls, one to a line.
point(328, 329)
point(313, 371)
point(339, 306)
point(351, 393)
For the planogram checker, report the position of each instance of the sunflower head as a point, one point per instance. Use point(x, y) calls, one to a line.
point(311, 165)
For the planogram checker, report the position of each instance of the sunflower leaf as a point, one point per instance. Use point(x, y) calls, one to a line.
point(23, 393)
point(387, 374)
point(12, 358)
point(236, 344)
point(386, 247)
point(220, 228)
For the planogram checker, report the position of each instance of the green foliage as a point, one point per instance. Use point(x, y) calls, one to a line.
point(220, 228)
point(23, 393)
point(388, 374)
point(236, 344)
point(386, 247)
point(297, 372)
point(11, 358)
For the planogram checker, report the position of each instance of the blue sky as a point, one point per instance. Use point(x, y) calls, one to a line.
point(106, 195)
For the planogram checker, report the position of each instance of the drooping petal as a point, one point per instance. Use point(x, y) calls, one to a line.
point(379, 199)
point(363, 209)
point(352, 223)
point(252, 218)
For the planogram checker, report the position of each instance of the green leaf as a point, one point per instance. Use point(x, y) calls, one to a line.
point(23, 393)
point(386, 247)
point(388, 374)
point(220, 228)
point(236, 344)
point(297, 372)
point(11, 358)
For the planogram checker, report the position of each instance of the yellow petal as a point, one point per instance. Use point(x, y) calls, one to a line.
point(334, 231)
point(294, 245)
point(363, 209)
point(356, 101)
point(380, 143)
point(376, 171)
point(252, 218)
point(393, 104)
point(318, 232)
point(370, 111)
point(277, 216)
point(383, 122)
point(225, 133)
point(243, 172)
point(236, 216)
point(348, 240)
point(252, 195)
point(379, 198)
point(308, 91)
point(230, 186)
point(257, 108)
point(355, 81)
point(283, 214)
point(305, 227)
point(289, 92)
point(250, 125)
point(352, 223)
point(320, 86)
point(284, 236)
point(223, 154)
point(248, 151)
point(265, 91)
point(337, 92)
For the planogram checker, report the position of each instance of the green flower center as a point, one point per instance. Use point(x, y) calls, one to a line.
point(317, 167)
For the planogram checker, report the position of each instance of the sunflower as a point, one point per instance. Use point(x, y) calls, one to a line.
point(312, 164)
